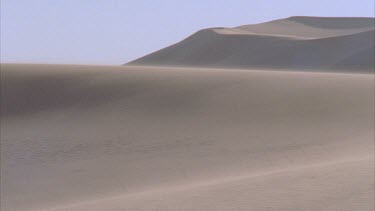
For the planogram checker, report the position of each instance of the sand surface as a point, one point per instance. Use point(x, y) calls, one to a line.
point(167, 138)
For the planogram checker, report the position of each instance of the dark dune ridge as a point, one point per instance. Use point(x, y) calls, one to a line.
point(303, 43)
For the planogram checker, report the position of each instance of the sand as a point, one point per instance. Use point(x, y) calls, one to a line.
point(295, 43)
point(272, 116)
point(168, 138)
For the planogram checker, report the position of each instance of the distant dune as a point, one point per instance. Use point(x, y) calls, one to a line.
point(299, 43)
point(299, 136)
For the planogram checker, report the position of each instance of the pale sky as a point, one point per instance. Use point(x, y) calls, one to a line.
point(111, 32)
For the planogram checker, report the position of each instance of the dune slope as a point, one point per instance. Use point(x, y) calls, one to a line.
point(163, 138)
point(296, 43)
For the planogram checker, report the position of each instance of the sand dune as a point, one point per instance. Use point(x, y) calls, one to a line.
point(294, 43)
point(202, 126)
point(312, 27)
point(167, 138)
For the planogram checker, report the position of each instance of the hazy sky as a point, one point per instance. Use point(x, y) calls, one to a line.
point(114, 32)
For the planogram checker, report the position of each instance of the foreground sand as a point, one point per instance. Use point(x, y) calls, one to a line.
point(147, 138)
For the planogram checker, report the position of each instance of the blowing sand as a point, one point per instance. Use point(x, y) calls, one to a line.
point(166, 138)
